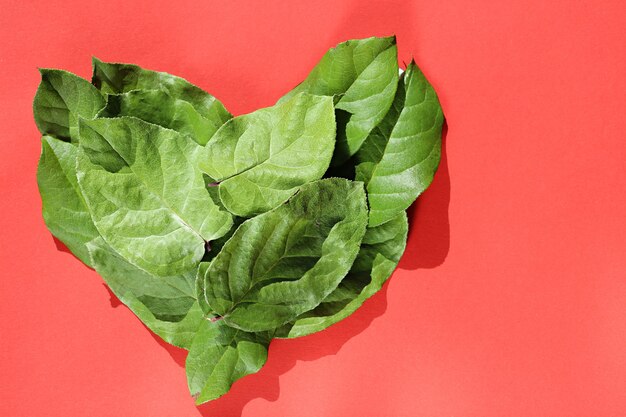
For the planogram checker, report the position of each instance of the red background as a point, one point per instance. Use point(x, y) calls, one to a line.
point(511, 297)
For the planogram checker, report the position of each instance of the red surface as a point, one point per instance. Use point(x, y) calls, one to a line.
point(511, 298)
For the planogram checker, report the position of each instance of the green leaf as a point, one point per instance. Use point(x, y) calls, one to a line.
point(399, 159)
point(286, 261)
point(61, 99)
point(63, 207)
point(363, 74)
point(380, 252)
point(202, 268)
point(260, 159)
point(166, 305)
point(160, 108)
point(221, 355)
point(372, 150)
point(114, 78)
point(146, 198)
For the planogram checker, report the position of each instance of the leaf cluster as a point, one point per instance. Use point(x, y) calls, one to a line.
point(220, 232)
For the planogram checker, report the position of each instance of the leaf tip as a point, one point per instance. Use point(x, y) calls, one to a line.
point(95, 64)
point(44, 72)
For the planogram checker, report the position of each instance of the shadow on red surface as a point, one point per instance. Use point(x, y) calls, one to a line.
point(429, 225)
point(62, 248)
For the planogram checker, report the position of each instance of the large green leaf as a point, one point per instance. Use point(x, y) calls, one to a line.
point(380, 252)
point(160, 108)
point(219, 356)
point(145, 195)
point(399, 159)
point(260, 159)
point(61, 99)
point(63, 207)
point(363, 73)
point(167, 305)
point(286, 261)
point(114, 78)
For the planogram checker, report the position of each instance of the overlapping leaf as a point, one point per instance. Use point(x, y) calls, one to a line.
point(363, 75)
point(400, 158)
point(380, 252)
point(145, 196)
point(63, 207)
point(167, 305)
point(114, 78)
point(61, 99)
point(219, 356)
point(285, 262)
point(260, 159)
point(160, 108)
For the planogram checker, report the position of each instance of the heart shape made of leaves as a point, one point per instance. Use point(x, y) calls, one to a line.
point(220, 232)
